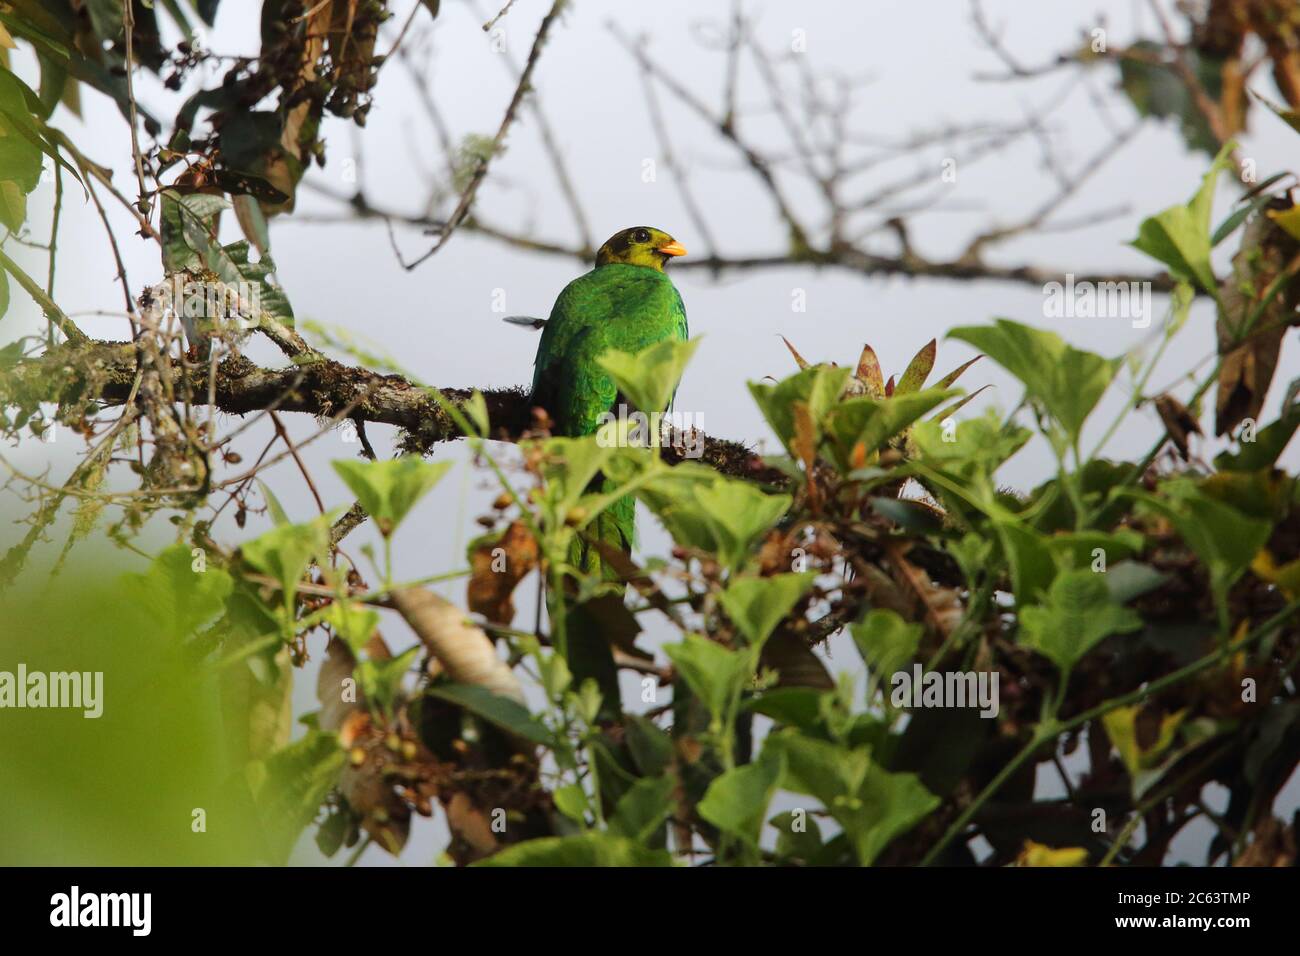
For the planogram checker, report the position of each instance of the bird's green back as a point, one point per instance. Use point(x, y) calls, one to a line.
point(617, 306)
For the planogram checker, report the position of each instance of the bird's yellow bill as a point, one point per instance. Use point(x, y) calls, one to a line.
point(673, 248)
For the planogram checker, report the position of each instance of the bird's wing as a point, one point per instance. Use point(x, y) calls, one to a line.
point(682, 330)
point(683, 326)
point(566, 321)
point(622, 307)
point(581, 391)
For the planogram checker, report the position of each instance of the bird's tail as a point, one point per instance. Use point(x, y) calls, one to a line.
point(616, 527)
point(590, 649)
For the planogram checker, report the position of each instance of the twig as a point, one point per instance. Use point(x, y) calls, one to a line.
point(128, 22)
point(567, 188)
point(52, 311)
point(498, 141)
point(54, 245)
point(487, 27)
point(693, 209)
point(302, 467)
point(725, 127)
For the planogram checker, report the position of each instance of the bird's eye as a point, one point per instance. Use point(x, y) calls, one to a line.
point(641, 235)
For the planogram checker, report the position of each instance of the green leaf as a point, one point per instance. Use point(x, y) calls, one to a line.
point(941, 744)
point(54, 81)
point(180, 598)
point(253, 157)
point(13, 204)
point(641, 811)
point(651, 748)
point(1077, 615)
point(1156, 90)
point(670, 494)
point(273, 506)
point(800, 837)
point(1180, 235)
point(1150, 752)
point(267, 299)
point(648, 379)
point(736, 513)
point(975, 445)
point(1030, 560)
point(1068, 381)
point(887, 644)
point(737, 801)
point(1270, 441)
point(286, 551)
point(757, 605)
point(189, 223)
point(818, 387)
point(704, 510)
point(909, 515)
point(508, 714)
point(333, 832)
point(588, 699)
point(872, 805)
point(476, 411)
point(555, 674)
point(107, 19)
point(1075, 549)
point(568, 467)
point(295, 782)
point(571, 800)
point(586, 850)
point(51, 41)
point(820, 768)
point(799, 707)
point(871, 422)
point(248, 212)
point(918, 370)
point(1130, 579)
point(1224, 538)
point(1246, 209)
point(381, 680)
point(1289, 116)
point(1265, 494)
point(389, 489)
point(353, 623)
point(956, 373)
point(23, 136)
point(715, 674)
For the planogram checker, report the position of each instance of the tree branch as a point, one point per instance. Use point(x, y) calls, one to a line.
point(104, 372)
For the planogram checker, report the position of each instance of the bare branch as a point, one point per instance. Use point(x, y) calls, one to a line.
point(106, 371)
point(498, 141)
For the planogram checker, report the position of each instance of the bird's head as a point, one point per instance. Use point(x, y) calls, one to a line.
point(640, 246)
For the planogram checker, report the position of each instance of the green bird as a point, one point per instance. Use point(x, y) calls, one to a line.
point(626, 302)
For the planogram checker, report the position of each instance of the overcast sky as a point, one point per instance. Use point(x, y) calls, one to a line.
point(438, 320)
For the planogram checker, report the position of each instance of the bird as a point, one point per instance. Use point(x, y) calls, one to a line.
point(626, 302)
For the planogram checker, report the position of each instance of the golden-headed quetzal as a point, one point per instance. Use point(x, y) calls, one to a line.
point(626, 302)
